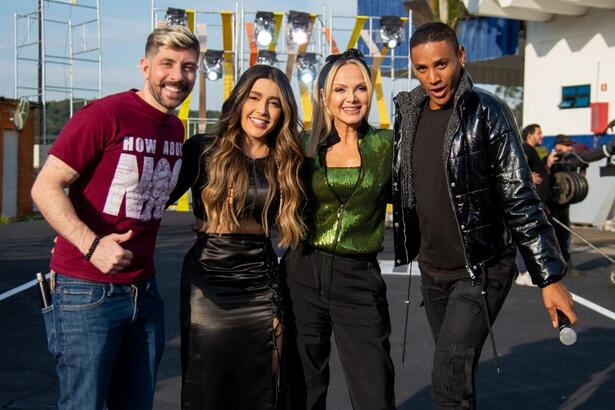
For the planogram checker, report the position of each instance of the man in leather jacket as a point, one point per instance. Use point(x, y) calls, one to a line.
point(463, 199)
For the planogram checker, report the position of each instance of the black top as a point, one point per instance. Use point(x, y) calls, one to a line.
point(193, 174)
point(538, 165)
point(441, 246)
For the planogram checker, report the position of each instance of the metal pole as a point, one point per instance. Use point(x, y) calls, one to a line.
point(584, 240)
point(331, 31)
point(153, 14)
point(239, 21)
point(409, 60)
point(391, 114)
point(99, 49)
point(42, 76)
point(322, 39)
point(15, 55)
point(71, 69)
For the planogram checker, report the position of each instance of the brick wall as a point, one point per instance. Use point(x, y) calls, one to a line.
point(25, 170)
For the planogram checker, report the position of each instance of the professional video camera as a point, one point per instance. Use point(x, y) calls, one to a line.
point(569, 184)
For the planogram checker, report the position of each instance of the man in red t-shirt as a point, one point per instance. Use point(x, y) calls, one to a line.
point(120, 156)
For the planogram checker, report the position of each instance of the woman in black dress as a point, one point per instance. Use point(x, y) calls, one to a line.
point(244, 179)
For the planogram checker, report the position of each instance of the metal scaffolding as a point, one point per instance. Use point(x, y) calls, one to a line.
point(33, 34)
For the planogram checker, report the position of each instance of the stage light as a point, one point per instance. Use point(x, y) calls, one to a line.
point(266, 57)
point(391, 31)
point(176, 17)
point(299, 27)
point(213, 64)
point(307, 66)
point(264, 27)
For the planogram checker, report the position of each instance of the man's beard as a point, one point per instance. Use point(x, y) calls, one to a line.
point(156, 92)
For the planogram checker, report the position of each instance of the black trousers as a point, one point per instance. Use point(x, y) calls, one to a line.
point(346, 295)
point(455, 312)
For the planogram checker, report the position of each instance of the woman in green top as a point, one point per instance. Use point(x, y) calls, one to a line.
point(333, 275)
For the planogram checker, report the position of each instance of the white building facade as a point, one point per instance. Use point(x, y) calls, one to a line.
point(569, 79)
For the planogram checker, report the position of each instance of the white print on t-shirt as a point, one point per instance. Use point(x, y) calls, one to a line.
point(140, 144)
point(146, 197)
point(172, 148)
point(149, 146)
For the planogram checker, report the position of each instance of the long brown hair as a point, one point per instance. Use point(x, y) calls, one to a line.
point(224, 196)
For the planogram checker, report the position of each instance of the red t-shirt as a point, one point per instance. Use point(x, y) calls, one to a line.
point(128, 156)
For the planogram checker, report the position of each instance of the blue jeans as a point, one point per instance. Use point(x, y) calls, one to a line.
point(108, 340)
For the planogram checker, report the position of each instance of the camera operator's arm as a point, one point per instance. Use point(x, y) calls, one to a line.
point(551, 159)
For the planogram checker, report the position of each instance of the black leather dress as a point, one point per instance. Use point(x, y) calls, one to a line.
point(229, 297)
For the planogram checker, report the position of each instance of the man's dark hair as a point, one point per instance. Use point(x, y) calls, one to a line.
point(529, 130)
point(433, 32)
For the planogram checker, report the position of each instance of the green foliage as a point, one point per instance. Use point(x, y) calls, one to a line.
point(455, 11)
point(58, 113)
point(513, 96)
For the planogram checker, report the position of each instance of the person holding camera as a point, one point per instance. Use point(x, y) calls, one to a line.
point(559, 214)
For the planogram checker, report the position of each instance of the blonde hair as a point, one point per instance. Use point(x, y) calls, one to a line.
point(322, 120)
point(175, 37)
point(224, 196)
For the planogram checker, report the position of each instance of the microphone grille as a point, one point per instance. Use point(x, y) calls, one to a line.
point(567, 336)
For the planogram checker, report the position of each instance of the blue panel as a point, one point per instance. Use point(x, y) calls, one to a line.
point(582, 142)
point(377, 8)
point(486, 38)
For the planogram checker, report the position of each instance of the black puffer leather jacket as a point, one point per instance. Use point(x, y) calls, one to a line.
point(489, 183)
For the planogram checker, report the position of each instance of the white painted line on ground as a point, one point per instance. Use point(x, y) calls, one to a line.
point(387, 267)
point(591, 305)
point(18, 289)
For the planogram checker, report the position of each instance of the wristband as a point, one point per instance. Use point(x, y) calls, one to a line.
point(88, 255)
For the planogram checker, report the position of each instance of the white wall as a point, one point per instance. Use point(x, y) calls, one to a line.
point(568, 51)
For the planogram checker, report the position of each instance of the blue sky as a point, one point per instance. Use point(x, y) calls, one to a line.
point(125, 25)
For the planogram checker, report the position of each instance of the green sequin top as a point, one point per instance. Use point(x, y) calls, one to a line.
point(344, 219)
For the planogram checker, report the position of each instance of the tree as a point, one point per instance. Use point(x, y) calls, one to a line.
point(513, 96)
point(58, 114)
point(445, 11)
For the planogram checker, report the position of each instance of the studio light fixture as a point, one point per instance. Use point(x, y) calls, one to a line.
point(266, 57)
point(213, 64)
point(299, 27)
point(176, 17)
point(307, 67)
point(264, 27)
point(391, 31)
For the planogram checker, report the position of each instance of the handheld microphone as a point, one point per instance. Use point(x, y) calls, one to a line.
point(44, 291)
point(567, 335)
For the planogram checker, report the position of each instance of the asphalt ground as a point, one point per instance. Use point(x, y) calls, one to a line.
point(537, 372)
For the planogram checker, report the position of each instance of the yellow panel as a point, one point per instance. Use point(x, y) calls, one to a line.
point(183, 204)
point(382, 108)
point(304, 91)
point(227, 43)
point(191, 16)
point(306, 105)
point(358, 26)
point(227, 30)
point(277, 20)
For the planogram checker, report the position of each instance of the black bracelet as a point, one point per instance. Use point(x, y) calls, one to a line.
point(88, 255)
